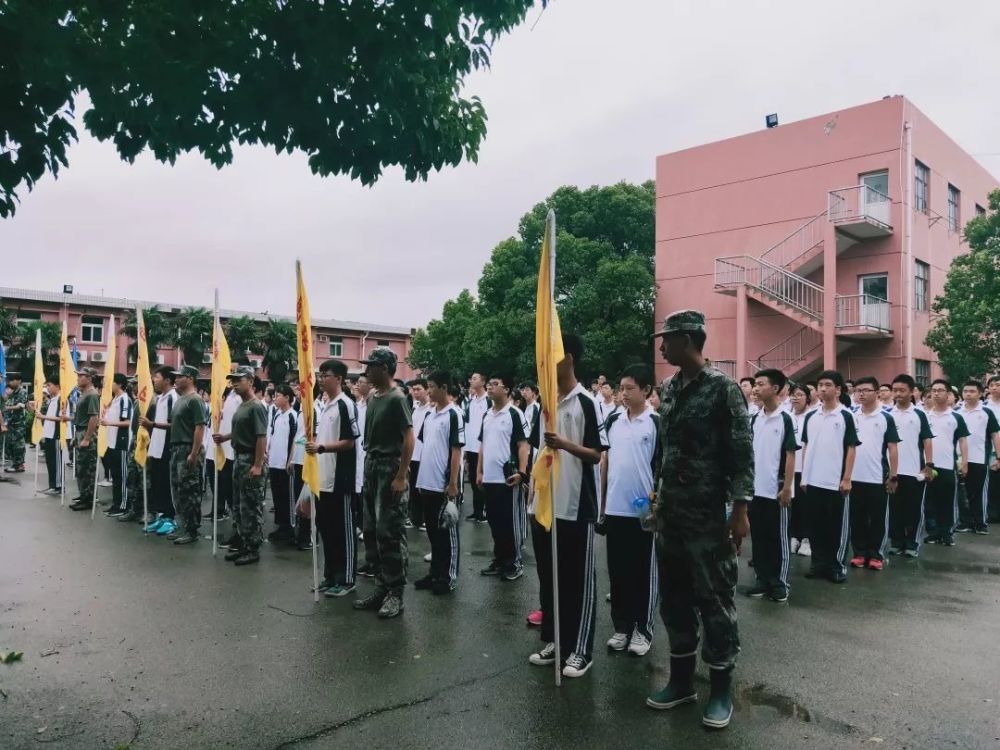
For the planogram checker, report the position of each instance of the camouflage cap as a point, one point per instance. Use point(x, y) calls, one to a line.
point(90, 372)
point(382, 356)
point(11, 375)
point(241, 372)
point(683, 321)
point(186, 371)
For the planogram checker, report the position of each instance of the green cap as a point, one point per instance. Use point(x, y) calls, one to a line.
point(90, 372)
point(241, 372)
point(382, 356)
point(186, 371)
point(683, 321)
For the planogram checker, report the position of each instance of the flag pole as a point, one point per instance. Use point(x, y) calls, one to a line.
point(61, 459)
point(97, 473)
point(145, 503)
point(555, 521)
point(38, 447)
point(215, 463)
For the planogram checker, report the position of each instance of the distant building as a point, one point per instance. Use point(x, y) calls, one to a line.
point(817, 244)
point(87, 319)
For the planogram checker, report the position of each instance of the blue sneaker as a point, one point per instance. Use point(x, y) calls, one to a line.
point(155, 525)
point(167, 527)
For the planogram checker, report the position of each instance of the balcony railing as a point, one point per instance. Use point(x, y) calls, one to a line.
point(778, 284)
point(794, 349)
point(796, 248)
point(728, 366)
point(860, 203)
point(863, 311)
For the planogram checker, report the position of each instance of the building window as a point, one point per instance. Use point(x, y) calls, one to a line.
point(954, 194)
point(336, 346)
point(980, 211)
point(922, 187)
point(92, 331)
point(923, 374)
point(382, 344)
point(28, 316)
point(922, 287)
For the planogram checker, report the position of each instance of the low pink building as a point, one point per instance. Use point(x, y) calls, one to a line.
point(817, 244)
point(87, 319)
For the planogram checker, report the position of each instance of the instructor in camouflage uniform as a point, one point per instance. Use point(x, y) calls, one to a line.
point(14, 408)
point(388, 450)
point(707, 463)
point(187, 455)
point(86, 421)
point(249, 438)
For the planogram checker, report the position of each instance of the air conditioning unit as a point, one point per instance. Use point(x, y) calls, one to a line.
point(206, 358)
point(322, 338)
point(160, 360)
point(255, 363)
point(131, 359)
point(81, 356)
point(99, 357)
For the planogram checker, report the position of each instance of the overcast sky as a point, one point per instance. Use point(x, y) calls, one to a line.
point(590, 96)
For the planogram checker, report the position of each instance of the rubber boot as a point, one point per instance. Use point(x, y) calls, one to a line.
point(719, 709)
point(680, 688)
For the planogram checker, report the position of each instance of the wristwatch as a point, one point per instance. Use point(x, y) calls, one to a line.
point(321, 448)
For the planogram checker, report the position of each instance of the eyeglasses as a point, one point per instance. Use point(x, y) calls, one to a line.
point(864, 390)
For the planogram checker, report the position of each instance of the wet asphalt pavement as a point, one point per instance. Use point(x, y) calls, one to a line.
point(157, 646)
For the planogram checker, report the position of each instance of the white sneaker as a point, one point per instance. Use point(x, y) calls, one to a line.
point(104, 483)
point(608, 597)
point(804, 549)
point(576, 666)
point(795, 545)
point(545, 657)
point(618, 642)
point(427, 557)
point(639, 645)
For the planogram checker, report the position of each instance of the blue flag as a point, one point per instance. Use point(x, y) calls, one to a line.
point(75, 354)
point(3, 368)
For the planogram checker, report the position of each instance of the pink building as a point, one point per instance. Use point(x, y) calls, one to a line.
point(87, 319)
point(818, 244)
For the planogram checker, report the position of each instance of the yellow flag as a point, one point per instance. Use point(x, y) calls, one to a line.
point(67, 382)
point(106, 395)
point(37, 425)
point(548, 354)
point(303, 338)
point(144, 387)
point(222, 363)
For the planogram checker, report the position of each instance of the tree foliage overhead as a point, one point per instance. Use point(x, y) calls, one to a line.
point(356, 86)
point(192, 333)
point(243, 335)
point(20, 340)
point(605, 289)
point(967, 335)
point(278, 345)
point(160, 331)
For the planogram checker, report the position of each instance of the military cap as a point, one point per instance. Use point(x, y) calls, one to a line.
point(14, 376)
point(186, 371)
point(90, 372)
point(241, 372)
point(683, 321)
point(382, 356)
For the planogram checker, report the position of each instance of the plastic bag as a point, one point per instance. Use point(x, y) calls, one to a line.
point(448, 517)
point(303, 507)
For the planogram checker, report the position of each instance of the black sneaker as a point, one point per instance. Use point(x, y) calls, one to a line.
point(512, 572)
point(126, 517)
point(232, 555)
point(366, 570)
point(186, 539)
point(234, 542)
point(372, 601)
point(441, 586)
point(424, 584)
point(247, 558)
point(778, 595)
point(932, 540)
point(983, 531)
point(757, 592)
point(81, 506)
point(472, 517)
point(948, 541)
point(493, 569)
point(963, 528)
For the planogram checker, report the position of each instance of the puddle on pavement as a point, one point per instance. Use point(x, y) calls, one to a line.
point(760, 695)
point(960, 567)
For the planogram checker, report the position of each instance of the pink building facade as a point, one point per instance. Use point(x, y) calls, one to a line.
point(87, 320)
point(818, 244)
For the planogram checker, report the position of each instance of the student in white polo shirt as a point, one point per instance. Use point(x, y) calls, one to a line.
point(984, 447)
point(774, 451)
point(875, 475)
point(829, 438)
point(950, 432)
point(502, 471)
point(916, 462)
point(442, 433)
point(992, 403)
point(628, 471)
point(798, 397)
point(118, 419)
point(281, 429)
point(579, 440)
point(421, 406)
point(475, 409)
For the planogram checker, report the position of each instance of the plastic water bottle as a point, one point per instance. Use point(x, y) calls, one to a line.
point(641, 507)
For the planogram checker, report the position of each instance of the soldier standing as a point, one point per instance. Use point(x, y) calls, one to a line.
point(249, 439)
point(14, 409)
point(85, 421)
point(707, 462)
point(187, 458)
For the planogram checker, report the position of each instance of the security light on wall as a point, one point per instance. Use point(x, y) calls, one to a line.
point(771, 120)
point(67, 288)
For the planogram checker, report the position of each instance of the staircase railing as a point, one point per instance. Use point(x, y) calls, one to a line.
point(777, 283)
point(860, 202)
point(797, 247)
point(795, 348)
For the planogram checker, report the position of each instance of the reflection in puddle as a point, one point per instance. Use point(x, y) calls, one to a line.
point(760, 695)
point(960, 567)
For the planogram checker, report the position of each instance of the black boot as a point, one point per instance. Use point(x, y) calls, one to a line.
point(680, 688)
point(719, 709)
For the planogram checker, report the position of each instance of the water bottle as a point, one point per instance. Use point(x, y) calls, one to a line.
point(645, 513)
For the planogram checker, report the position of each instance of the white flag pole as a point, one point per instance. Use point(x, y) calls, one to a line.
point(145, 502)
point(97, 473)
point(38, 447)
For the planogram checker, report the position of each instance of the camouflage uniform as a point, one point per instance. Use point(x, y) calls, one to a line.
point(248, 502)
point(15, 419)
point(384, 523)
point(186, 483)
point(86, 467)
point(707, 461)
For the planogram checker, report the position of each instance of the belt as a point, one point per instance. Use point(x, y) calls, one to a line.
point(248, 454)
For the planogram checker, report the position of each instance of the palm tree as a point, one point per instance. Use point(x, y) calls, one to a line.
point(193, 333)
point(243, 335)
point(8, 324)
point(158, 331)
point(23, 347)
point(278, 343)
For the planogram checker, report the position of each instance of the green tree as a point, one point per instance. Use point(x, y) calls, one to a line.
point(966, 336)
point(192, 333)
point(278, 342)
point(8, 324)
point(243, 335)
point(22, 350)
point(355, 86)
point(605, 289)
point(160, 330)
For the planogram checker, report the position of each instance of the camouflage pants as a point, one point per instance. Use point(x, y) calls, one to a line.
point(185, 481)
point(86, 468)
point(14, 446)
point(384, 524)
point(133, 483)
point(248, 503)
point(698, 578)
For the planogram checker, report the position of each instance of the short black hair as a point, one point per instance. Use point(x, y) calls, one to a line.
point(906, 380)
point(454, 391)
point(285, 390)
point(641, 374)
point(573, 347)
point(867, 380)
point(884, 385)
point(120, 380)
point(849, 382)
point(506, 380)
point(417, 381)
point(974, 383)
point(748, 379)
point(775, 377)
point(335, 367)
point(832, 375)
point(166, 372)
point(595, 381)
point(993, 379)
point(440, 378)
point(697, 339)
point(943, 381)
point(533, 386)
point(798, 387)
point(14, 376)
